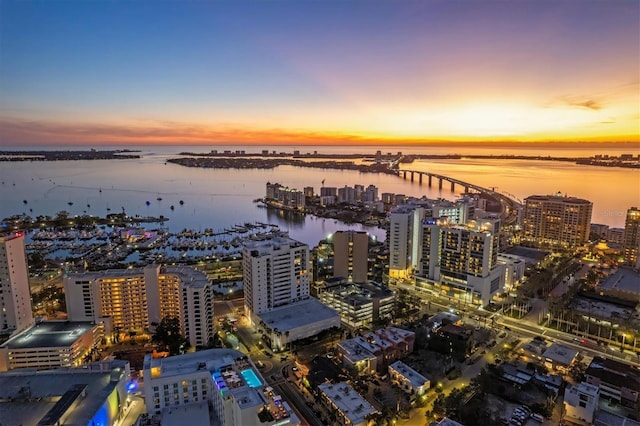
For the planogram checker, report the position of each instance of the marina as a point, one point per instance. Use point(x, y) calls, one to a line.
point(109, 247)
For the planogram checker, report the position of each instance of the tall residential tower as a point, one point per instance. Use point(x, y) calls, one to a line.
point(556, 220)
point(15, 297)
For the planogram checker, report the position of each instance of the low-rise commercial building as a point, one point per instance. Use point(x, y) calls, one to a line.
point(617, 381)
point(51, 344)
point(350, 408)
point(96, 394)
point(359, 305)
point(409, 380)
point(215, 386)
point(581, 403)
point(385, 345)
point(559, 357)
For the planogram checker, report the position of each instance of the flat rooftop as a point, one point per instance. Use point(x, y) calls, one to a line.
point(213, 360)
point(409, 373)
point(299, 314)
point(27, 396)
point(528, 253)
point(601, 308)
point(623, 279)
point(350, 402)
point(354, 351)
point(561, 354)
point(195, 413)
point(189, 276)
point(49, 334)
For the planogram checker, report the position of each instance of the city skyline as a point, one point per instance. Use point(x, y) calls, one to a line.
point(318, 72)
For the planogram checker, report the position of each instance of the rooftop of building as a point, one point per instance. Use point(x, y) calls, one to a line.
point(614, 372)
point(394, 334)
point(188, 275)
point(267, 246)
point(377, 340)
point(528, 253)
point(27, 396)
point(298, 314)
point(354, 351)
point(624, 279)
point(360, 292)
point(561, 354)
point(534, 346)
point(558, 197)
point(351, 403)
point(13, 236)
point(195, 413)
point(409, 373)
point(49, 334)
point(584, 388)
point(605, 418)
point(455, 330)
point(602, 308)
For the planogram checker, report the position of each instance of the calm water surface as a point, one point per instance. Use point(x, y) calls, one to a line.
point(221, 198)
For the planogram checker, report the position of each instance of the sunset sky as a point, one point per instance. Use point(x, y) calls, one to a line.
point(318, 71)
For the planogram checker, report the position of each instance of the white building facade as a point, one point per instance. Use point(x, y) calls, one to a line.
point(15, 303)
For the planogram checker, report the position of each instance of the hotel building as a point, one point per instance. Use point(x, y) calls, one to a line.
point(556, 220)
point(51, 344)
point(350, 408)
point(212, 387)
point(138, 299)
point(632, 238)
point(462, 260)
point(15, 297)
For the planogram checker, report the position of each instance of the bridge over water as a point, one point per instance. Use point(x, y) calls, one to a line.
point(509, 206)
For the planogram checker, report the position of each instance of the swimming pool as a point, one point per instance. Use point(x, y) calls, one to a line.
point(250, 377)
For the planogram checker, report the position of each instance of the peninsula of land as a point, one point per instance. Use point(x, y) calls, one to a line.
point(120, 154)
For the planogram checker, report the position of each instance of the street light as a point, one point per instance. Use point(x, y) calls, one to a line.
point(623, 337)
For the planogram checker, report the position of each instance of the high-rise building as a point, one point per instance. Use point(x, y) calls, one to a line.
point(347, 195)
point(287, 197)
point(275, 272)
point(138, 299)
point(350, 255)
point(463, 259)
point(403, 240)
point(632, 237)
point(15, 300)
point(556, 220)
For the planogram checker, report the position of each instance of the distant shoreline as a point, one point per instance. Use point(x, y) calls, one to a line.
point(67, 155)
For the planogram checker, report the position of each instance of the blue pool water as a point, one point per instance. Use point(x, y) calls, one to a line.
point(250, 377)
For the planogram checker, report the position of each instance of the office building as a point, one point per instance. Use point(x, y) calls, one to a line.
point(349, 407)
point(350, 255)
point(462, 260)
point(359, 305)
point(556, 220)
point(15, 300)
point(581, 403)
point(276, 292)
point(403, 240)
point(137, 299)
point(632, 238)
point(212, 387)
point(51, 344)
point(96, 394)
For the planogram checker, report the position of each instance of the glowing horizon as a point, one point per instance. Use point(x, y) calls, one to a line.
point(319, 73)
